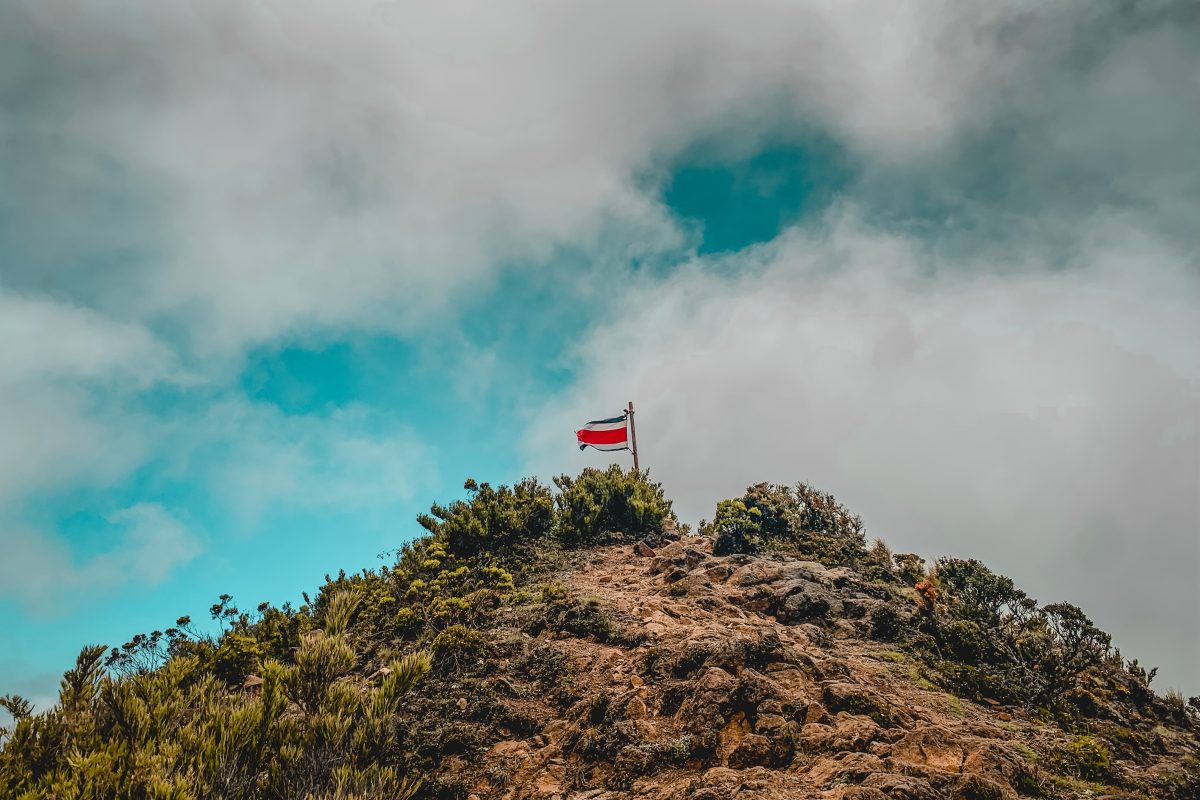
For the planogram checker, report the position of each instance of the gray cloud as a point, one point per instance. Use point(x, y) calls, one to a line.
point(251, 170)
point(1044, 420)
point(1009, 305)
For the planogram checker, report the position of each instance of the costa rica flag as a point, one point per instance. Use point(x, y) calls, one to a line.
point(605, 434)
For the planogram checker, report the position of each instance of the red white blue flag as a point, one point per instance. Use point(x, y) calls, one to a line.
point(605, 434)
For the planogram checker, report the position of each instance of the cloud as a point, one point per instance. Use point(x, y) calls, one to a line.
point(41, 573)
point(188, 181)
point(1043, 419)
point(255, 170)
point(58, 376)
point(254, 459)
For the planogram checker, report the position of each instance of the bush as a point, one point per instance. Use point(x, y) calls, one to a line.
point(886, 624)
point(738, 529)
point(491, 520)
point(600, 503)
point(802, 521)
point(910, 567)
point(996, 642)
point(457, 648)
point(177, 731)
point(1088, 756)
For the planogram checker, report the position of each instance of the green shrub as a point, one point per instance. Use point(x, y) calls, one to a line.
point(802, 521)
point(457, 648)
point(176, 731)
point(593, 507)
point(235, 658)
point(886, 624)
point(737, 529)
point(491, 520)
point(995, 641)
point(1088, 756)
point(910, 567)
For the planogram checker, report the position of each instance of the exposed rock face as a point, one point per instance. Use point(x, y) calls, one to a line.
point(740, 678)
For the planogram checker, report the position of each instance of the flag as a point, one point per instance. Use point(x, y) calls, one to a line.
point(605, 434)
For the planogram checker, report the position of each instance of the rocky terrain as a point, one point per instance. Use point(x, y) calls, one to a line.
point(580, 643)
point(746, 677)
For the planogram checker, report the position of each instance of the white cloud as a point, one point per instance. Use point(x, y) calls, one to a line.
point(351, 460)
point(59, 363)
point(295, 164)
point(1043, 420)
point(185, 181)
point(40, 572)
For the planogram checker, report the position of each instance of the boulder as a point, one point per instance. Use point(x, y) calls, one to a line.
point(752, 751)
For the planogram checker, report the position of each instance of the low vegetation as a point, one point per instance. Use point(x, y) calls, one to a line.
point(362, 691)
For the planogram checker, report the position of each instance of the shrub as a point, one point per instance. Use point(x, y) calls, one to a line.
point(584, 616)
point(457, 648)
point(996, 642)
point(1088, 756)
point(235, 658)
point(978, 594)
point(177, 731)
point(886, 624)
point(800, 520)
point(910, 567)
point(738, 529)
point(600, 503)
point(491, 520)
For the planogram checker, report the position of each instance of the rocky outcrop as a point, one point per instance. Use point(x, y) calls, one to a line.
point(736, 677)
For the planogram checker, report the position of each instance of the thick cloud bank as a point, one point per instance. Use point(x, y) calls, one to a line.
point(988, 344)
point(1043, 420)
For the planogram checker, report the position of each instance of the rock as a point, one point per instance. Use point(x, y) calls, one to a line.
point(753, 750)
point(902, 787)
point(930, 747)
point(636, 709)
point(644, 550)
point(770, 706)
point(976, 787)
point(753, 574)
point(840, 696)
point(854, 733)
point(863, 793)
point(630, 762)
point(769, 725)
point(814, 713)
point(804, 606)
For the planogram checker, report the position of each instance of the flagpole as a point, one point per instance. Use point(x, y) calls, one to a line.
point(633, 436)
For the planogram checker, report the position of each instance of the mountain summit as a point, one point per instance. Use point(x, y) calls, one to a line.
point(584, 644)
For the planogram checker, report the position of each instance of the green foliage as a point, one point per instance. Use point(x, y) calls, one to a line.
point(582, 616)
point(178, 731)
point(738, 529)
point(593, 507)
point(491, 520)
point(994, 641)
point(800, 520)
point(457, 648)
point(910, 567)
point(1089, 758)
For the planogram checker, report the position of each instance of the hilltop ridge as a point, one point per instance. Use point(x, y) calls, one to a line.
point(583, 644)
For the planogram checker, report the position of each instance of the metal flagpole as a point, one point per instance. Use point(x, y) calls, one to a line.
point(633, 436)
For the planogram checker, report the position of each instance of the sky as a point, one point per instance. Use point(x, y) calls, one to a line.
point(276, 275)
